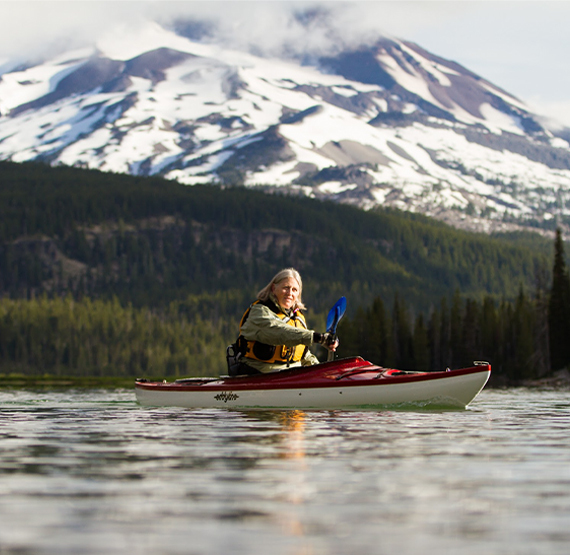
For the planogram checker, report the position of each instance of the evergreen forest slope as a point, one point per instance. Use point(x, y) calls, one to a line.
point(200, 253)
point(149, 241)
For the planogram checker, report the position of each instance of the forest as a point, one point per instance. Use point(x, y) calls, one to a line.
point(104, 274)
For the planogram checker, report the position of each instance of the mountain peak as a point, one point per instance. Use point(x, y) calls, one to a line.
point(383, 124)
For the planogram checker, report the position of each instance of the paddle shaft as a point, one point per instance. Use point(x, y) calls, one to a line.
point(339, 309)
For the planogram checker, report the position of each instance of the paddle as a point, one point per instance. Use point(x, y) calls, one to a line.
point(335, 314)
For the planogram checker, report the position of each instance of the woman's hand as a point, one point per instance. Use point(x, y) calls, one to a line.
point(326, 339)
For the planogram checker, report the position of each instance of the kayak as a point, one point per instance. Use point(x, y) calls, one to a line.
point(349, 383)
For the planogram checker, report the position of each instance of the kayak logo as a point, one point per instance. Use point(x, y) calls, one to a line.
point(226, 396)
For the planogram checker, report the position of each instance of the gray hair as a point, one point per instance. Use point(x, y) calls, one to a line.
point(264, 294)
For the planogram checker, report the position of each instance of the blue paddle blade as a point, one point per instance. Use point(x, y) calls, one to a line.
point(335, 314)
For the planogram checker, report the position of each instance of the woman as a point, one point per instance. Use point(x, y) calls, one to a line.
point(273, 334)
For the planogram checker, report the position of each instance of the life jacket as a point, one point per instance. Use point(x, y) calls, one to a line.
point(273, 353)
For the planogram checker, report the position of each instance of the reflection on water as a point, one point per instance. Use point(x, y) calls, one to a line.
point(89, 471)
point(293, 423)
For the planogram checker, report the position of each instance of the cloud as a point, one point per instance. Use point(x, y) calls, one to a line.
point(518, 45)
point(30, 27)
point(275, 27)
point(556, 113)
point(34, 28)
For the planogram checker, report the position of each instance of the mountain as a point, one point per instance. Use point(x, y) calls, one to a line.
point(386, 124)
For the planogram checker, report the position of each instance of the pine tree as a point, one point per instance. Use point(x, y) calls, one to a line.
point(420, 343)
point(490, 332)
point(434, 340)
point(541, 358)
point(559, 308)
point(402, 335)
point(378, 332)
point(456, 329)
point(470, 343)
point(524, 332)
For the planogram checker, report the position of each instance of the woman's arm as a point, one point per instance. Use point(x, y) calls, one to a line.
point(263, 325)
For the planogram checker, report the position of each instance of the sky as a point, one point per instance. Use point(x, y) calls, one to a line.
point(521, 46)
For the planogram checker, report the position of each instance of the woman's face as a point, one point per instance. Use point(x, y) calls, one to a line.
point(286, 291)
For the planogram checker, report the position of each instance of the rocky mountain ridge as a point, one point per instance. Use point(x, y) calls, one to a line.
point(387, 124)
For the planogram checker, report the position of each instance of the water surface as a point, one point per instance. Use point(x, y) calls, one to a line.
point(89, 471)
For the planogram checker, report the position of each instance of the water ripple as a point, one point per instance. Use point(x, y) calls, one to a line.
point(89, 471)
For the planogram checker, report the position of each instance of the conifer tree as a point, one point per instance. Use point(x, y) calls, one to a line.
point(445, 336)
point(420, 344)
point(456, 328)
point(524, 326)
point(559, 308)
point(379, 334)
point(541, 357)
point(470, 342)
point(434, 339)
point(402, 335)
point(490, 332)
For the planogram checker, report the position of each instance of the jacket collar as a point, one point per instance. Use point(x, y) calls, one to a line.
point(276, 307)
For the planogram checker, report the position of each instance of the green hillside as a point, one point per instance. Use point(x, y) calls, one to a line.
point(152, 241)
point(200, 253)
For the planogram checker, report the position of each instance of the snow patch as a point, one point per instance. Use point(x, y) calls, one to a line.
point(336, 187)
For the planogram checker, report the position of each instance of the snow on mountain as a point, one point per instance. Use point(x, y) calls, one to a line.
point(389, 124)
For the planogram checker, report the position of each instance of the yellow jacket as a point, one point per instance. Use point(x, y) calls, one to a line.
point(275, 339)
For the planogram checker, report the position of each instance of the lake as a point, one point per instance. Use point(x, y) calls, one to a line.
point(87, 471)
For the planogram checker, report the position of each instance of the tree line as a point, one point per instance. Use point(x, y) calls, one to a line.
point(523, 339)
point(66, 337)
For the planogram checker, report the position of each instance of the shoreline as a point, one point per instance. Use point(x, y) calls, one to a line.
point(15, 381)
point(560, 380)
